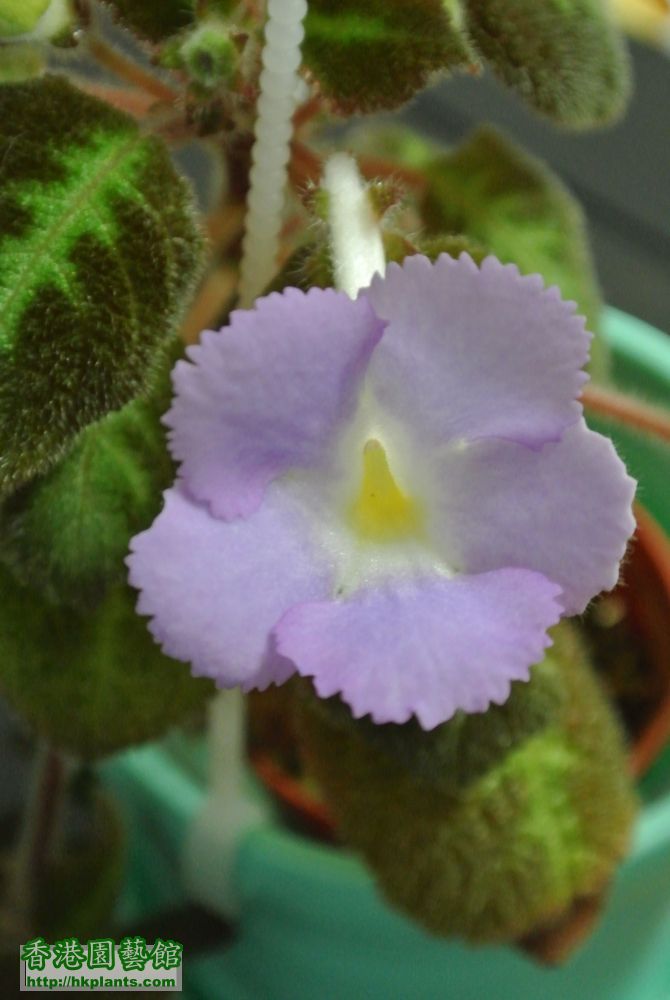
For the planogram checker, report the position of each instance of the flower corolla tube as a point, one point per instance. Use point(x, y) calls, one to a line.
point(396, 495)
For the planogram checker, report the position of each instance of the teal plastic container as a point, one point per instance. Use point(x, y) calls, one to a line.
point(313, 926)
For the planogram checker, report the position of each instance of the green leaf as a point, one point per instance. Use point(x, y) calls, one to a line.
point(66, 533)
point(158, 20)
point(21, 61)
point(513, 849)
point(98, 250)
point(374, 54)
point(90, 683)
point(509, 202)
point(453, 756)
point(155, 19)
point(18, 17)
point(564, 57)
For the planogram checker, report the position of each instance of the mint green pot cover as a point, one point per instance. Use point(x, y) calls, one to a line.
point(312, 925)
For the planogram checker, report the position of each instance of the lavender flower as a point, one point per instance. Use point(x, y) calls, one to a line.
point(396, 496)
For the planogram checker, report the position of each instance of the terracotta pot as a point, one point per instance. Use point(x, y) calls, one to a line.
point(645, 589)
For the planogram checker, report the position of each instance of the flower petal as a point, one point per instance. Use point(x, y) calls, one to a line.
point(564, 511)
point(267, 393)
point(214, 590)
point(426, 647)
point(475, 352)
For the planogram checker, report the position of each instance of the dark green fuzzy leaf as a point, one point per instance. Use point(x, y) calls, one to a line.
point(98, 249)
point(157, 20)
point(510, 203)
point(564, 57)
point(373, 54)
point(66, 533)
point(508, 852)
point(454, 245)
point(90, 682)
point(154, 19)
point(453, 756)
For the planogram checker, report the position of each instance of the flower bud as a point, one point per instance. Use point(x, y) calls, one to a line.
point(209, 55)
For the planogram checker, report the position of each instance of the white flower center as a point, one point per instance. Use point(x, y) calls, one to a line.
point(369, 508)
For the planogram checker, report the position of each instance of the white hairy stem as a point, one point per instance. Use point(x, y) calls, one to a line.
point(356, 240)
point(279, 87)
point(227, 743)
point(227, 814)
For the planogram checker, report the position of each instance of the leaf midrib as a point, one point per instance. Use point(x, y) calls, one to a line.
point(71, 209)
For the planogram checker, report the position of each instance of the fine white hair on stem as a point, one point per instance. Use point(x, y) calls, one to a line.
point(228, 812)
point(356, 240)
point(279, 86)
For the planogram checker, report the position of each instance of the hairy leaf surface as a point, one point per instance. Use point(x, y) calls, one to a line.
point(98, 249)
point(378, 53)
point(565, 57)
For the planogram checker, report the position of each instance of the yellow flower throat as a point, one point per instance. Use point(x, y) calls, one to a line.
point(382, 512)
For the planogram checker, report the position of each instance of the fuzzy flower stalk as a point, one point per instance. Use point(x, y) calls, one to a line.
point(394, 494)
point(279, 83)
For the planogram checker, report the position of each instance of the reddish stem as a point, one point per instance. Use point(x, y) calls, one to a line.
point(214, 297)
point(627, 410)
point(306, 112)
point(37, 839)
point(133, 102)
point(128, 70)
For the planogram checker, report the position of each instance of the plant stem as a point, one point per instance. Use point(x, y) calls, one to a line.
point(306, 112)
point(128, 70)
point(627, 410)
point(271, 151)
point(214, 298)
point(38, 836)
point(227, 744)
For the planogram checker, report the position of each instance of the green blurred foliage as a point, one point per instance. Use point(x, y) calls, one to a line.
point(18, 17)
point(21, 61)
point(90, 683)
point(564, 57)
point(508, 201)
point(454, 756)
point(535, 826)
